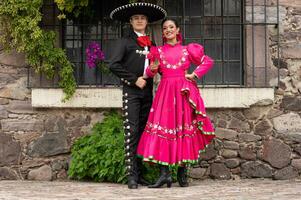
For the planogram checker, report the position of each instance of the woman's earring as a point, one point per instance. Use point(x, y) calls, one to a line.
point(179, 38)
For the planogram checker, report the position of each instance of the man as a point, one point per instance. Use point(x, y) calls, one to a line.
point(129, 66)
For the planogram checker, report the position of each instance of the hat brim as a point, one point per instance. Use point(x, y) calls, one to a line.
point(124, 13)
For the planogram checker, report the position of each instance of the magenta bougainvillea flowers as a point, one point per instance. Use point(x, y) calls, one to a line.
point(94, 55)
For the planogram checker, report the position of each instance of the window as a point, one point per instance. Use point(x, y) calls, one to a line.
point(93, 25)
point(216, 24)
point(233, 32)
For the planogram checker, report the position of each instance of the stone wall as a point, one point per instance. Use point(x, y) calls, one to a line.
point(261, 141)
point(35, 143)
point(264, 140)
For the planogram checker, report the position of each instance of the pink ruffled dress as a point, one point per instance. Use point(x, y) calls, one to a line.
point(178, 128)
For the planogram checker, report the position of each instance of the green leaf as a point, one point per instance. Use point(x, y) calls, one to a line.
point(19, 28)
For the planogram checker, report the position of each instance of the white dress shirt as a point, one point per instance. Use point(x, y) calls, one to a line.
point(146, 62)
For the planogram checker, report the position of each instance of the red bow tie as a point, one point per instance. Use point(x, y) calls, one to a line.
point(144, 41)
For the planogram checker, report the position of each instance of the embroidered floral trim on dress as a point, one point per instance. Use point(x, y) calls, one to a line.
point(175, 137)
point(188, 127)
point(170, 137)
point(170, 66)
point(173, 134)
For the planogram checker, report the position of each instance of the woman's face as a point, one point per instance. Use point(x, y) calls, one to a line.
point(170, 30)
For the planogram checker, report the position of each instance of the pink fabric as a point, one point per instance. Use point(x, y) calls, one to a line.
point(178, 127)
point(152, 56)
point(150, 73)
point(196, 55)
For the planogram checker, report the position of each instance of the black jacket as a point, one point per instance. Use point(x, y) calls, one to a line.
point(125, 62)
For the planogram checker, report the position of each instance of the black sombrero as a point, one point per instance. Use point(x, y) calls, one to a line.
point(152, 11)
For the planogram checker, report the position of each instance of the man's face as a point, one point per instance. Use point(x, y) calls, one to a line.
point(139, 22)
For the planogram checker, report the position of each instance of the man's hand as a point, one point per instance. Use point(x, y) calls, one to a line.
point(141, 83)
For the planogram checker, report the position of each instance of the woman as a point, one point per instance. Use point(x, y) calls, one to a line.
point(177, 129)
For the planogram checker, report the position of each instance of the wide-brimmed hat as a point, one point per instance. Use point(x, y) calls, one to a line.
point(152, 11)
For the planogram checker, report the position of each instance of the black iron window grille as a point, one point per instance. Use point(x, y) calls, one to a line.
point(242, 36)
point(96, 26)
point(236, 34)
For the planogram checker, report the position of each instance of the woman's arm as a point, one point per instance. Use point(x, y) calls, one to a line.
point(204, 67)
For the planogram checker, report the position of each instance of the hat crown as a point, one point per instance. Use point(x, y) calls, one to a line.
point(152, 11)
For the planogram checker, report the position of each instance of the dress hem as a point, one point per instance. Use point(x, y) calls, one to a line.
point(179, 163)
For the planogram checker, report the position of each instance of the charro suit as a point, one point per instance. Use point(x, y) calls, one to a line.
point(128, 66)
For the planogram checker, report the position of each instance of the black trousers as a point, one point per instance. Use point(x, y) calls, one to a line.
point(136, 106)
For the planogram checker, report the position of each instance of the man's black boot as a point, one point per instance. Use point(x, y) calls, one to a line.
point(132, 183)
point(141, 170)
point(182, 177)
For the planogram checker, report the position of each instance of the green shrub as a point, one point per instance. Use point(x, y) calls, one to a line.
point(100, 155)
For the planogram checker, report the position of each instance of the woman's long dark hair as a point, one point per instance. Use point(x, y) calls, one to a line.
point(170, 19)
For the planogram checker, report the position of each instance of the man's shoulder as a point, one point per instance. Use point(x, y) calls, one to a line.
point(124, 39)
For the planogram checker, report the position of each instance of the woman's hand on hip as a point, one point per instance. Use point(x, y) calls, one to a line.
point(190, 77)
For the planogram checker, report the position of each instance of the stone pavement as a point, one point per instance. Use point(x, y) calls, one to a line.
point(207, 189)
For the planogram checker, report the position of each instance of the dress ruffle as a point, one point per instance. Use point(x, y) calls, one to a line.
point(193, 96)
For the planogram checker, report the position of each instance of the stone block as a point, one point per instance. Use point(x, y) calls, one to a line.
point(197, 173)
point(16, 90)
point(239, 125)
point(8, 174)
point(247, 153)
point(231, 145)
point(287, 123)
point(13, 59)
point(263, 128)
point(3, 112)
point(3, 101)
point(247, 137)
point(10, 150)
point(232, 163)
point(292, 103)
point(220, 171)
point(43, 173)
point(296, 163)
point(22, 125)
point(227, 153)
point(228, 134)
point(286, 173)
point(20, 107)
point(256, 169)
point(209, 154)
point(276, 153)
point(49, 144)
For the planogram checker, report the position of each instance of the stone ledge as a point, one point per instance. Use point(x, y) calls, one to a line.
point(112, 97)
